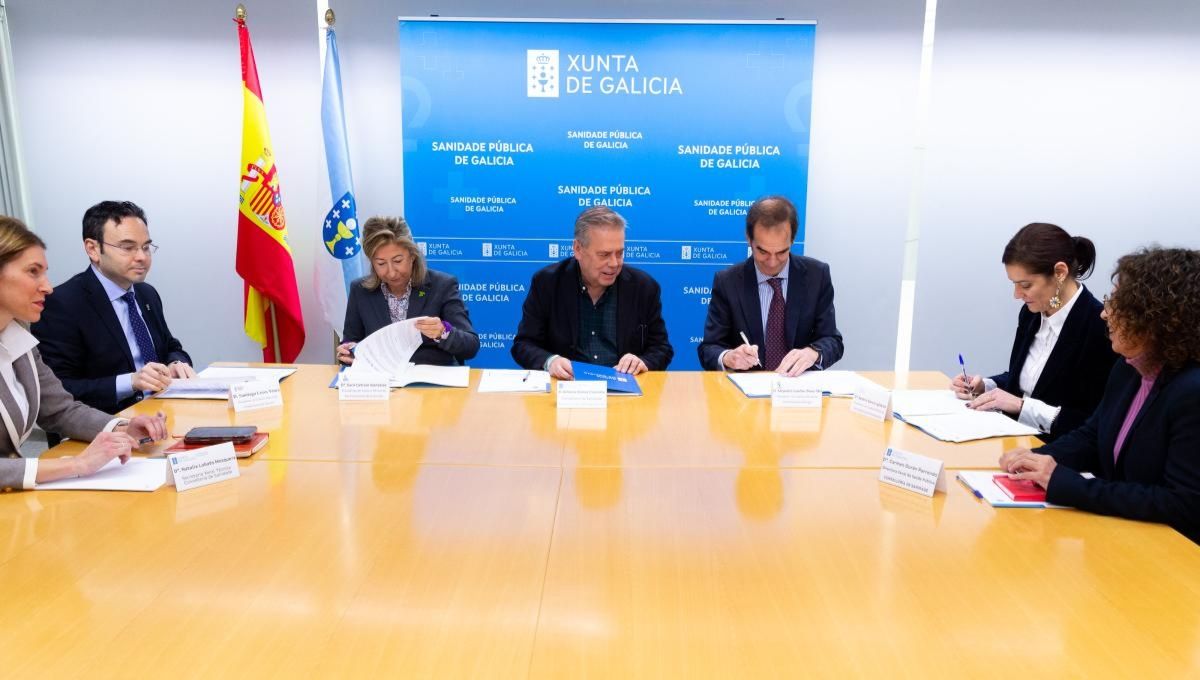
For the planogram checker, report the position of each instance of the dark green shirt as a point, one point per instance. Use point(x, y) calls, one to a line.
point(598, 327)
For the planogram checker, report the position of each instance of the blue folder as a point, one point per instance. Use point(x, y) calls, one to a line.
point(619, 384)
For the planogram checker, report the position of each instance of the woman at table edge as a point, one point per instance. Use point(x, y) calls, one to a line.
point(1061, 356)
point(1143, 442)
point(401, 286)
point(29, 391)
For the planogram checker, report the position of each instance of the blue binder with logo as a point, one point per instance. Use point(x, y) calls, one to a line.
point(619, 384)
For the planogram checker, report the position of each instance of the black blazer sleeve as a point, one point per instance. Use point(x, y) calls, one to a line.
point(533, 332)
point(64, 349)
point(658, 352)
point(1158, 476)
point(463, 342)
point(353, 329)
point(719, 330)
point(826, 338)
point(1079, 448)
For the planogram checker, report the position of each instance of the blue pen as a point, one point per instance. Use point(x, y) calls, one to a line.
point(966, 380)
point(969, 488)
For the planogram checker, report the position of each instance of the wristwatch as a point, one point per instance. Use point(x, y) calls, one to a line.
point(446, 328)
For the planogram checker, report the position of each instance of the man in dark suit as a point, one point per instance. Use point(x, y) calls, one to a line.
point(103, 332)
point(592, 308)
point(775, 310)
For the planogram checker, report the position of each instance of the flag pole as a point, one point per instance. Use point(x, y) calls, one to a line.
point(274, 331)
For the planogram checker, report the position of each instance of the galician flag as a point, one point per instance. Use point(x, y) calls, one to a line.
point(339, 261)
point(264, 257)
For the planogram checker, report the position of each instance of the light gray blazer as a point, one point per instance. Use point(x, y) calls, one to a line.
point(50, 406)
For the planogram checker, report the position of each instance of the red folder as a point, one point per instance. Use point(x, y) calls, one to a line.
point(1021, 490)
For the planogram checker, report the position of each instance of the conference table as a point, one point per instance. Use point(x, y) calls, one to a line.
point(689, 532)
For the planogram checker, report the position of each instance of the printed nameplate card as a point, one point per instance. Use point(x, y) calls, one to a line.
point(582, 394)
point(201, 467)
point(254, 394)
point(793, 393)
point(364, 386)
point(873, 402)
point(912, 472)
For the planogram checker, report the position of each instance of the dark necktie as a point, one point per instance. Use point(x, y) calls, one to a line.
point(140, 333)
point(776, 337)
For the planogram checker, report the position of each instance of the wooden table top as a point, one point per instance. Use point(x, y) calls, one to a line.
point(684, 419)
point(452, 543)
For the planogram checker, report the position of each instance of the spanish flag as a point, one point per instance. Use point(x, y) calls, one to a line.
point(264, 255)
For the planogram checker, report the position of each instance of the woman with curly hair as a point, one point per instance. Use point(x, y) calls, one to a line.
point(1143, 442)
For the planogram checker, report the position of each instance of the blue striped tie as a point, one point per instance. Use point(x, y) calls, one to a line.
point(140, 333)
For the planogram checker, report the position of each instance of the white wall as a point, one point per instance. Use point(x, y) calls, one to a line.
point(128, 101)
point(1084, 113)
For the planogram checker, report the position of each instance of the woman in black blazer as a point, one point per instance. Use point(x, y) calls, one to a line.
point(1143, 442)
point(401, 287)
point(1061, 354)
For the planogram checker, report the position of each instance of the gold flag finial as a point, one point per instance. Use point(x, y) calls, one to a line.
point(330, 18)
point(239, 13)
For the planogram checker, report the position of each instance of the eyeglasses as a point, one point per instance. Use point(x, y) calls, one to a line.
point(130, 248)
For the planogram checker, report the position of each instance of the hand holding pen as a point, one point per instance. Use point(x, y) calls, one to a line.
point(147, 429)
point(742, 357)
point(964, 385)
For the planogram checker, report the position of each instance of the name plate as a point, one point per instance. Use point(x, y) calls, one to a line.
point(582, 394)
point(912, 472)
point(872, 402)
point(364, 386)
point(201, 467)
point(254, 394)
point(792, 393)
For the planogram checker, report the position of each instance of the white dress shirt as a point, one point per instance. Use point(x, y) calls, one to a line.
point(1035, 412)
point(765, 294)
point(16, 342)
point(124, 382)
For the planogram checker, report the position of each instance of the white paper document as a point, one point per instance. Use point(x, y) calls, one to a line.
point(833, 383)
point(505, 380)
point(139, 474)
point(200, 388)
point(968, 425)
point(388, 350)
point(425, 374)
point(242, 373)
point(926, 402)
point(214, 381)
point(837, 383)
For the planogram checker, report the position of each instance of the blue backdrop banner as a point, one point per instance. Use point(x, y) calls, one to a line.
point(512, 128)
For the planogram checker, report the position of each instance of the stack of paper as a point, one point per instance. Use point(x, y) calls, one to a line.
point(239, 373)
point(944, 416)
point(214, 381)
point(831, 383)
point(388, 350)
point(926, 403)
point(969, 425)
point(504, 380)
point(425, 374)
point(139, 474)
